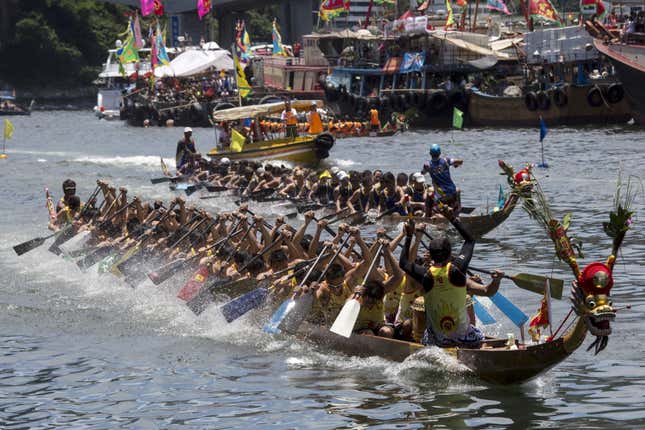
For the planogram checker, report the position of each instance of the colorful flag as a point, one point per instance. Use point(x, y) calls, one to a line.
point(412, 62)
point(543, 129)
point(154, 60)
point(237, 141)
point(450, 20)
point(136, 30)
point(8, 129)
point(162, 55)
point(590, 7)
point(147, 7)
point(457, 118)
point(128, 53)
point(501, 198)
point(330, 9)
point(542, 318)
point(242, 41)
point(498, 5)
point(242, 84)
point(462, 3)
point(203, 7)
point(158, 7)
point(278, 49)
point(543, 9)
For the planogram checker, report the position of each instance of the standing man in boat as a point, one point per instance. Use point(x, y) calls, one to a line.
point(290, 118)
point(314, 119)
point(439, 169)
point(375, 123)
point(185, 148)
point(445, 288)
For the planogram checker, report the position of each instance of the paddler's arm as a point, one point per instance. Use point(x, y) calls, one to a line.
point(315, 241)
point(418, 234)
point(396, 274)
point(416, 272)
point(489, 290)
point(309, 215)
point(465, 255)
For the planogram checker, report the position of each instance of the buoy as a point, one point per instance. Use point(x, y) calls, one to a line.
point(3, 156)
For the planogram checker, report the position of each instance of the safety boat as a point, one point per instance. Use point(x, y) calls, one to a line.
point(306, 149)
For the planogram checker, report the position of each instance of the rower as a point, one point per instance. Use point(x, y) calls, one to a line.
point(185, 148)
point(365, 197)
point(69, 190)
point(418, 195)
point(67, 214)
point(390, 196)
point(343, 192)
point(439, 169)
point(445, 288)
point(290, 118)
point(322, 191)
point(314, 120)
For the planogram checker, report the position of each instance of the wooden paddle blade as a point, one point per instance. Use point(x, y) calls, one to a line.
point(513, 313)
point(535, 283)
point(273, 326)
point(76, 243)
point(166, 271)
point(194, 284)
point(243, 304)
point(346, 319)
point(200, 302)
point(466, 210)
point(482, 314)
point(192, 188)
point(25, 247)
point(93, 257)
point(299, 312)
point(216, 188)
point(155, 181)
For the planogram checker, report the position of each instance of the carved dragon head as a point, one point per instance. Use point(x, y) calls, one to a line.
point(590, 297)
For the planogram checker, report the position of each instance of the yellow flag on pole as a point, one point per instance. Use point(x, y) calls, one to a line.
point(237, 141)
point(242, 84)
point(8, 129)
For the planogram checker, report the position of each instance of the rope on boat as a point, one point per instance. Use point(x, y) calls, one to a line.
point(562, 323)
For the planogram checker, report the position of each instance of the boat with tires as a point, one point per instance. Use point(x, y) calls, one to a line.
point(304, 149)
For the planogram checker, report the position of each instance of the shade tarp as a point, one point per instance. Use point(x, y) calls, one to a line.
point(262, 110)
point(194, 62)
point(460, 43)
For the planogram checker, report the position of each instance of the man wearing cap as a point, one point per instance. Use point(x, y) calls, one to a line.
point(290, 118)
point(69, 190)
point(185, 148)
point(439, 169)
point(420, 198)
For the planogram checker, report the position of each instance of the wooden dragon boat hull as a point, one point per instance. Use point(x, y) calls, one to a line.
point(303, 149)
point(493, 362)
point(477, 225)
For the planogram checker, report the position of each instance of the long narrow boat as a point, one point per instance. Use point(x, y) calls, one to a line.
point(308, 149)
point(478, 225)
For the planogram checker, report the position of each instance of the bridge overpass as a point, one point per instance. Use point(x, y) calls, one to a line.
point(296, 17)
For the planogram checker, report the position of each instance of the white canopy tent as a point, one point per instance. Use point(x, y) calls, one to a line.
point(193, 62)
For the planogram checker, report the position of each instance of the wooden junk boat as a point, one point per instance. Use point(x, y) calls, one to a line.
point(308, 149)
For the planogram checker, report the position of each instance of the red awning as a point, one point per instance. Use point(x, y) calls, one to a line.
point(424, 6)
point(392, 65)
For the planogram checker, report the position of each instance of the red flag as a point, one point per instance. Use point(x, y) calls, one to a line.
point(542, 318)
point(147, 7)
point(203, 7)
point(158, 7)
point(543, 9)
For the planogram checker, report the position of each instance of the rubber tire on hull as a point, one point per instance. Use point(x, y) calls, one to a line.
point(594, 97)
point(560, 98)
point(324, 141)
point(438, 101)
point(544, 102)
point(615, 93)
point(269, 99)
point(531, 101)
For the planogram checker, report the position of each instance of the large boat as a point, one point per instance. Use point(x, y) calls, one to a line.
point(305, 149)
point(629, 62)
point(8, 106)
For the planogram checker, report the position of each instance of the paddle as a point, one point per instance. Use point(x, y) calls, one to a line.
point(161, 274)
point(273, 326)
point(253, 299)
point(386, 213)
point(205, 297)
point(533, 283)
point(481, 313)
point(296, 313)
point(346, 319)
point(195, 283)
point(514, 313)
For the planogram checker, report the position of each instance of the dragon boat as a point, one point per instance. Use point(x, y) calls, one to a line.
point(504, 362)
point(306, 149)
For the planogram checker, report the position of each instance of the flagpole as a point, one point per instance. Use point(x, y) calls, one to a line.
point(239, 93)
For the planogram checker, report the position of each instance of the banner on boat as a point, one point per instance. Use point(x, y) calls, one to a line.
point(413, 62)
point(330, 9)
point(415, 24)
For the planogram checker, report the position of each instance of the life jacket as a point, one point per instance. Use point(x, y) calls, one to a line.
point(445, 305)
point(344, 193)
point(315, 123)
point(290, 118)
point(370, 318)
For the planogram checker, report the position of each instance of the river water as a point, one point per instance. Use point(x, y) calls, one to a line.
point(79, 351)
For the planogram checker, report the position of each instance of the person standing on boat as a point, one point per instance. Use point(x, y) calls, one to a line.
point(445, 288)
point(314, 119)
point(290, 118)
point(375, 122)
point(439, 169)
point(185, 148)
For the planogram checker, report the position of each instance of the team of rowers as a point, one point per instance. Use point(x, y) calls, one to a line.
point(133, 237)
point(356, 191)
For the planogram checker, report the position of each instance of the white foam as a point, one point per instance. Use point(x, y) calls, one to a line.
point(344, 163)
point(151, 161)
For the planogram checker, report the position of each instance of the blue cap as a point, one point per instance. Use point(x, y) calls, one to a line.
point(435, 150)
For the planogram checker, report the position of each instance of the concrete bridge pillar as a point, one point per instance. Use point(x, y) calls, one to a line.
point(296, 19)
point(226, 36)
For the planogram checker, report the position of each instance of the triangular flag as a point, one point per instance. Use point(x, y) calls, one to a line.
point(543, 129)
point(457, 118)
point(8, 129)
